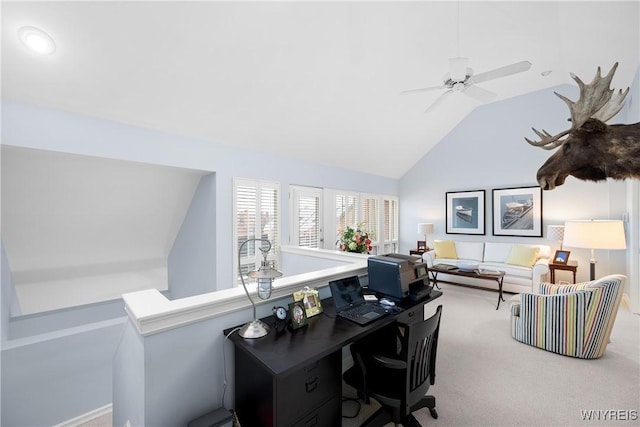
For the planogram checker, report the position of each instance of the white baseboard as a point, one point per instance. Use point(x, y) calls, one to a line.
point(84, 418)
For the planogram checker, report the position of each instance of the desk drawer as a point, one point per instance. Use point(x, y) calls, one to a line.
point(328, 415)
point(306, 389)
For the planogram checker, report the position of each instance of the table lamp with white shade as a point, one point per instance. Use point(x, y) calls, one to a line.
point(424, 229)
point(594, 234)
point(556, 232)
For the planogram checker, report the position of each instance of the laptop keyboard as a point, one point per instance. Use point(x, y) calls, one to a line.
point(360, 310)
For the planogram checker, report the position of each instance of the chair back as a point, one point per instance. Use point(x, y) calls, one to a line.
point(419, 349)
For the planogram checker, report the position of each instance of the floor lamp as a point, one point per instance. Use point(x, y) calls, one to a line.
point(594, 234)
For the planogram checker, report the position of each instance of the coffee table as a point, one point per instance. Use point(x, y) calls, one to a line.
point(496, 275)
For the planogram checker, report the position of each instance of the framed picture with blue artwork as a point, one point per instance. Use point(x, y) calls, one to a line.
point(465, 212)
point(517, 211)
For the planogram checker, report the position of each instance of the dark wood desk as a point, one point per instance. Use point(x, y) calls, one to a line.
point(569, 266)
point(294, 378)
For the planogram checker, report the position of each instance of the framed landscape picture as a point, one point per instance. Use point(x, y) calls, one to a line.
point(517, 211)
point(465, 212)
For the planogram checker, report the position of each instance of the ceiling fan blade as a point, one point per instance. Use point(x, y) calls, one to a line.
point(423, 89)
point(439, 100)
point(507, 70)
point(479, 93)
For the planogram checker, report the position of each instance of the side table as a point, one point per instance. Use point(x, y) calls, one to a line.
point(569, 266)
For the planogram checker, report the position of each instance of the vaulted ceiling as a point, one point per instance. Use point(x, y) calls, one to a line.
point(314, 80)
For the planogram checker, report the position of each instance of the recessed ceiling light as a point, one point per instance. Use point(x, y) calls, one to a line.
point(37, 40)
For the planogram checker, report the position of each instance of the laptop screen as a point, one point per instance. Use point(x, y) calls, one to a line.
point(346, 292)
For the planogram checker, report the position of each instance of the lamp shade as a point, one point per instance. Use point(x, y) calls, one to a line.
point(594, 234)
point(425, 228)
point(555, 232)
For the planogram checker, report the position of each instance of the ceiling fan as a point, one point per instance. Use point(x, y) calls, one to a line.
point(460, 78)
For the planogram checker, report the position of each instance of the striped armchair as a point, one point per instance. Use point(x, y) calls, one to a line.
point(573, 320)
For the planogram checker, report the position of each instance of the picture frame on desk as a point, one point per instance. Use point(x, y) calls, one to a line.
point(298, 315)
point(561, 257)
point(310, 299)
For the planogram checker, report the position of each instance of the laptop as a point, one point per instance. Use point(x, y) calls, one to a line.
point(350, 302)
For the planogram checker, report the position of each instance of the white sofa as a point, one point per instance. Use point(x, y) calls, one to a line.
point(496, 256)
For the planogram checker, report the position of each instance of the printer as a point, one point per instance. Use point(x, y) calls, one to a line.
point(397, 276)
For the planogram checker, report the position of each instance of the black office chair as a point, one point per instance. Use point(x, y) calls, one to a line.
point(398, 374)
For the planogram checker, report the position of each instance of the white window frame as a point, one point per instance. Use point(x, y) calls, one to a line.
point(274, 234)
point(295, 193)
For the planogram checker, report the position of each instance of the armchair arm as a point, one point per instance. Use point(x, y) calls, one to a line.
point(539, 272)
point(429, 257)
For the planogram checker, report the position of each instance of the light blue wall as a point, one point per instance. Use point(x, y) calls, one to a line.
point(55, 320)
point(191, 263)
point(54, 377)
point(128, 378)
point(6, 289)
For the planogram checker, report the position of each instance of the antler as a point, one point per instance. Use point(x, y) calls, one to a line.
point(596, 101)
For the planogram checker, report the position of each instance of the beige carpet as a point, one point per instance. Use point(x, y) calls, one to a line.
point(486, 378)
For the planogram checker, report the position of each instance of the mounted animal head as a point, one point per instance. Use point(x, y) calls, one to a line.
point(591, 150)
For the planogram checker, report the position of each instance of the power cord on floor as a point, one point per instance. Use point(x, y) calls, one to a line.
point(357, 410)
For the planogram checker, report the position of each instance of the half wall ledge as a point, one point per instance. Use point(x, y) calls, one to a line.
point(151, 312)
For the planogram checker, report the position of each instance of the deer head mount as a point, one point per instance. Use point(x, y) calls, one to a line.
point(591, 150)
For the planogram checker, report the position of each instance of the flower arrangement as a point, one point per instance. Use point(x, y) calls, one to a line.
point(355, 240)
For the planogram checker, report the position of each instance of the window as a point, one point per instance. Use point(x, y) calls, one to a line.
point(257, 215)
point(390, 226)
point(306, 217)
point(346, 211)
point(315, 226)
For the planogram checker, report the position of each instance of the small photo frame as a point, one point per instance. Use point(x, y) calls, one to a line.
point(310, 299)
point(561, 257)
point(421, 246)
point(297, 314)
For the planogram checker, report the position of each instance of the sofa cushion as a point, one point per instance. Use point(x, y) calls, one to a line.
point(497, 252)
point(523, 255)
point(470, 250)
point(445, 249)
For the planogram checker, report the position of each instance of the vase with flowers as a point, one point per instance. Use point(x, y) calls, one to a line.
point(355, 240)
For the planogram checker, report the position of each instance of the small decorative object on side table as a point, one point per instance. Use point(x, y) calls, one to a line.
point(421, 247)
point(569, 266)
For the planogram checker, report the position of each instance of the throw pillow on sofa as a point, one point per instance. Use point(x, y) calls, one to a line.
point(522, 255)
point(445, 249)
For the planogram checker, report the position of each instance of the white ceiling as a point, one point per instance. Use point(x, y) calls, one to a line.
point(315, 80)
